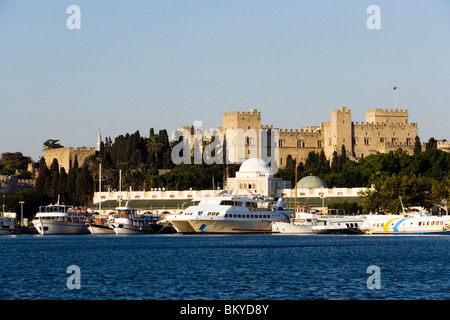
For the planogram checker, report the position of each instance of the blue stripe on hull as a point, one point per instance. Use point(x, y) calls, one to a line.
point(409, 233)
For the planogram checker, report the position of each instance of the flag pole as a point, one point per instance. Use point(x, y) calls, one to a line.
point(395, 97)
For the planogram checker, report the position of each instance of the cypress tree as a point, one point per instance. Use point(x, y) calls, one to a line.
point(417, 145)
point(44, 175)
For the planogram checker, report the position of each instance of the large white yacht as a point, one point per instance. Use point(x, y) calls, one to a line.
point(60, 219)
point(229, 214)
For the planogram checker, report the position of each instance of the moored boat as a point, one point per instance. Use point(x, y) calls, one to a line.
point(301, 223)
point(416, 223)
point(7, 223)
point(99, 226)
point(57, 219)
point(229, 214)
point(128, 220)
point(339, 225)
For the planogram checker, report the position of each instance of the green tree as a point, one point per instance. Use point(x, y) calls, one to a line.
point(154, 147)
point(44, 175)
point(84, 187)
point(431, 144)
point(417, 146)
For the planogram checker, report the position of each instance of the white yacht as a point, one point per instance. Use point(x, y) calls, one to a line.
point(128, 220)
point(229, 214)
point(339, 225)
point(7, 223)
point(301, 223)
point(60, 219)
point(311, 221)
point(414, 223)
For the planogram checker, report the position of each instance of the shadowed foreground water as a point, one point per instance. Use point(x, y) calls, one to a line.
point(229, 267)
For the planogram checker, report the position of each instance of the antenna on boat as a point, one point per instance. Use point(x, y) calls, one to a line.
point(403, 208)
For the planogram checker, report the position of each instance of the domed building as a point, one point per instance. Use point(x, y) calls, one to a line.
point(254, 167)
point(256, 176)
point(311, 182)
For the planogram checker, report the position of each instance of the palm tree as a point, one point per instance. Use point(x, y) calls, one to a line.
point(52, 144)
point(154, 146)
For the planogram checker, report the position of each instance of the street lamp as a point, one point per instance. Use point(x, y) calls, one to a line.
point(21, 212)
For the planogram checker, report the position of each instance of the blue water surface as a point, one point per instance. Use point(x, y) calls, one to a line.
point(227, 267)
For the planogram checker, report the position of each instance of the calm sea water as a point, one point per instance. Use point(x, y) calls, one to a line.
point(229, 267)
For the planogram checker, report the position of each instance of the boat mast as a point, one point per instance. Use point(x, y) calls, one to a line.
point(120, 187)
point(296, 169)
point(100, 190)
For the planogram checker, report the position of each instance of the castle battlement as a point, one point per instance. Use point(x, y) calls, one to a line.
point(387, 115)
point(341, 110)
point(253, 113)
point(311, 131)
point(380, 125)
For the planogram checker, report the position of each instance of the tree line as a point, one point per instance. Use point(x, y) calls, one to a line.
point(421, 179)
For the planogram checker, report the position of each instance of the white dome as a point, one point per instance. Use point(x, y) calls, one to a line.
point(254, 165)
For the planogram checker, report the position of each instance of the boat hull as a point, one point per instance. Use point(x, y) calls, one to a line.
point(51, 227)
point(120, 228)
point(99, 229)
point(335, 230)
point(182, 226)
point(291, 228)
point(231, 226)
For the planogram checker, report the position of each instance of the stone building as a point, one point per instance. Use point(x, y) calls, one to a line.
point(66, 156)
point(245, 137)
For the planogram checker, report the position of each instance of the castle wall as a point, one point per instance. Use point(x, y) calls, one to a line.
point(242, 131)
point(384, 130)
point(338, 132)
point(383, 137)
point(309, 139)
point(66, 156)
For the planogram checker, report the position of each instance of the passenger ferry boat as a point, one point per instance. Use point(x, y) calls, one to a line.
point(417, 223)
point(127, 220)
point(229, 214)
point(60, 219)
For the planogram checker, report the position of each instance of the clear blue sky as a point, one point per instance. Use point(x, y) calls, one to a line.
point(167, 63)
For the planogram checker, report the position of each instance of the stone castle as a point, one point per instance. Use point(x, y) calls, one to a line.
point(66, 156)
point(383, 131)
